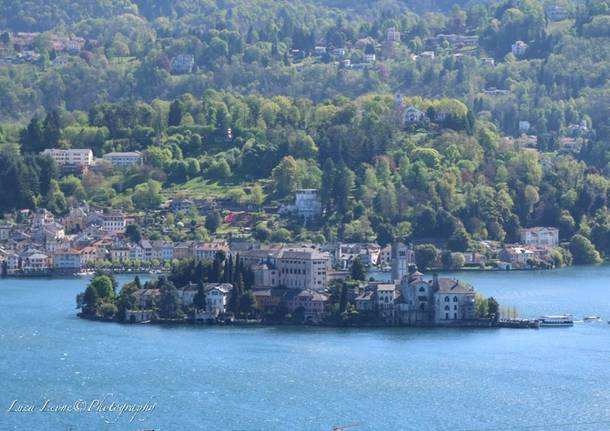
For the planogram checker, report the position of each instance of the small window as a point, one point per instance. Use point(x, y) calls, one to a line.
point(446, 299)
point(455, 299)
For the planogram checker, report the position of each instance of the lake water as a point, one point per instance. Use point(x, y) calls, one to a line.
point(215, 378)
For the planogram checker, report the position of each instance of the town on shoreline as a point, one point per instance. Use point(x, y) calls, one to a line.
point(88, 239)
point(288, 286)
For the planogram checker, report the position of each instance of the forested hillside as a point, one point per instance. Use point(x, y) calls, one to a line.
point(254, 99)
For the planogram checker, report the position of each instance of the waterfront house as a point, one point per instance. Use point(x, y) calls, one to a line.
point(540, 236)
point(474, 258)
point(35, 263)
point(67, 262)
point(138, 316)
point(385, 295)
point(120, 253)
point(88, 255)
point(517, 257)
point(441, 301)
point(268, 300)
point(454, 301)
point(146, 298)
point(312, 303)
point(365, 302)
point(12, 262)
point(217, 296)
point(162, 250)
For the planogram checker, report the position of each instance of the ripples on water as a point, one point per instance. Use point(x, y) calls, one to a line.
point(311, 378)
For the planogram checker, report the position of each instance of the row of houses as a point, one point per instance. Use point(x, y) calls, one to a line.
point(80, 159)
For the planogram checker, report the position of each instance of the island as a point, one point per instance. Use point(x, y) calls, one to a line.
point(225, 290)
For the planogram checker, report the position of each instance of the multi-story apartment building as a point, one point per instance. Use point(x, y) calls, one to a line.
point(124, 159)
point(68, 261)
point(303, 268)
point(73, 156)
point(113, 222)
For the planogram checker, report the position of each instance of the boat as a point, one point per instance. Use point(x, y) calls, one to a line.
point(591, 319)
point(561, 320)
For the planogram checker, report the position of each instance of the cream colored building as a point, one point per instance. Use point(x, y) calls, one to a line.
point(77, 157)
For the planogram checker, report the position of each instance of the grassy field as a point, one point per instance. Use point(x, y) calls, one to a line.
point(200, 188)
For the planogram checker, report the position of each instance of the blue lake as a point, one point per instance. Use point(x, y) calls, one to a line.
point(215, 378)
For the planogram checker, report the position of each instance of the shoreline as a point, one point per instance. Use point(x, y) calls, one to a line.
point(479, 324)
point(157, 272)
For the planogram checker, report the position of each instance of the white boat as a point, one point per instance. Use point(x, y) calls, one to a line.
point(591, 319)
point(561, 320)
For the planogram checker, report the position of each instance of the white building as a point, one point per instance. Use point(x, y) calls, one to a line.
point(113, 222)
point(392, 35)
point(307, 203)
point(519, 48)
point(413, 115)
point(75, 157)
point(524, 126)
point(454, 301)
point(68, 261)
point(303, 268)
point(35, 263)
point(369, 58)
point(124, 159)
point(442, 301)
point(540, 236)
point(217, 297)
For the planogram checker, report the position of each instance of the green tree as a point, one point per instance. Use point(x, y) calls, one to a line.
point(199, 300)
point(358, 271)
point(133, 233)
point(147, 195)
point(583, 251)
point(284, 176)
point(213, 221)
point(169, 303)
point(459, 240)
point(425, 256)
point(175, 113)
